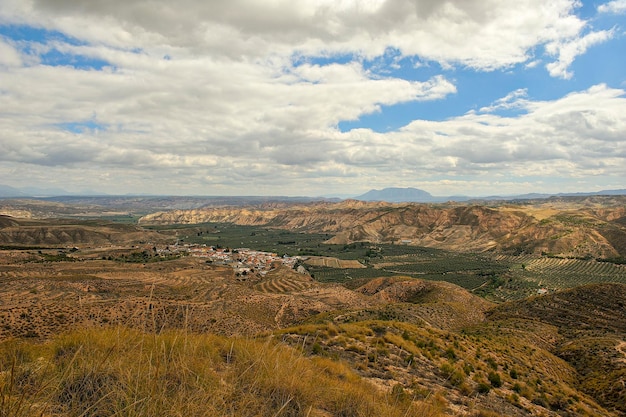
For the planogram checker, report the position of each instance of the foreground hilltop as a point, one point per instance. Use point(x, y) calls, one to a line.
point(580, 227)
point(94, 337)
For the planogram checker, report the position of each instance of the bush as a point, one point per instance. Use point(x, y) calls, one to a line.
point(494, 379)
point(454, 375)
point(483, 388)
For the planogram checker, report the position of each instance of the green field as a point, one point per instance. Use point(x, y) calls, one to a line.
point(496, 277)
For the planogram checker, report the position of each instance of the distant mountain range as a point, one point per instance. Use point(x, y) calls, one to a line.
point(415, 195)
point(12, 192)
point(391, 195)
point(6, 191)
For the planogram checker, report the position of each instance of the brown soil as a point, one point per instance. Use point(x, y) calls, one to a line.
point(333, 262)
point(39, 299)
point(581, 227)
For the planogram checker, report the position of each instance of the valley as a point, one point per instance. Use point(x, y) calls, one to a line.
point(368, 294)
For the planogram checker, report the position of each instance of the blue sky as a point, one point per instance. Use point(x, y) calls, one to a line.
point(250, 97)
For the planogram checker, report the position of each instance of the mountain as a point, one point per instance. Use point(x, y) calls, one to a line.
point(399, 195)
point(6, 191)
point(43, 192)
point(415, 195)
point(40, 192)
point(537, 196)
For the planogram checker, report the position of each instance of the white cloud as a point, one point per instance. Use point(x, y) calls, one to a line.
point(613, 7)
point(555, 137)
point(514, 100)
point(533, 64)
point(485, 35)
point(241, 103)
point(183, 150)
point(9, 56)
point(569, 50)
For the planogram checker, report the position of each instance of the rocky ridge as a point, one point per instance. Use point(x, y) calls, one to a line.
point(593, 229)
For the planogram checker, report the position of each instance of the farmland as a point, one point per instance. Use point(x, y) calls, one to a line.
point(495, 276)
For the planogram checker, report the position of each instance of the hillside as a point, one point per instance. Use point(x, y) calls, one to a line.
point(419, 347)
point(589, 325)
point(578, 311)
point(579, 227)
point(22, 232)
point(124, 207)
point(435, 304)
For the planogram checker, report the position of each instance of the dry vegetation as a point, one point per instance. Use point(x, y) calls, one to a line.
point(165, 338)
point(123, 372)
point(102, 330)
point(333, 262)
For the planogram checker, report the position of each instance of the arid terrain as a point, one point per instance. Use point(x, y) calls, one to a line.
point(594, 226)
point(429, 347)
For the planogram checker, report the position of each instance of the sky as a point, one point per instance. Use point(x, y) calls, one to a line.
point(313, 98)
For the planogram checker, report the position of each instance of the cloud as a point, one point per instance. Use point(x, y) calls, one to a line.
point(244, 95)
point(9, 56)
point(514, 100)
point(569, 50)
point(613, 7)
point(191, 149)
point(572, 133)
point(484, 35)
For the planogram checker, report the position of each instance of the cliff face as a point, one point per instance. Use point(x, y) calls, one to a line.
point(598, 232)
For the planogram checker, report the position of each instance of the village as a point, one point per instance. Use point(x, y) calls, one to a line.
point(243, 260)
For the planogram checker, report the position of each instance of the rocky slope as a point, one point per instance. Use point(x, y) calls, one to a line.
point(591, 227)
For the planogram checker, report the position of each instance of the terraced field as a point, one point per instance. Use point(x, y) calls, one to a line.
point(330, 262)
point(282, 285)
point(495, 276)
point(40, 298)
point(529, 274)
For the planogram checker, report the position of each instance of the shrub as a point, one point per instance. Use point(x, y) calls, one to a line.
point(450, 354)
point(494, 379)
point(483, 388)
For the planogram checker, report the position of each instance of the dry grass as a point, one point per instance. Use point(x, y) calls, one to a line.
point(123, 372)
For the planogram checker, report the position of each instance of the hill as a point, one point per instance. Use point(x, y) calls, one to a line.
point(589, 332)
point(437, 304)
point(61, 233)
point(595, 308)
point(132, 321)
point(590, 226)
